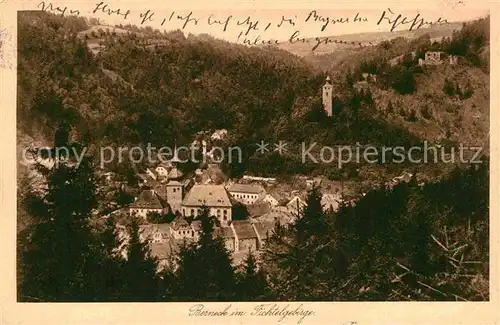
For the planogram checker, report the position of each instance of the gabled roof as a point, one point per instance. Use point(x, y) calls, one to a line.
point(161, 250)
point(224, 232)
point(161, 190)
point(179, 222)
point(150, 229)
point(293, 202)
point(264, 228)
point(246, 188)
point(209, 195)
point(258, 208)
point(243, 229)
point(148, 199)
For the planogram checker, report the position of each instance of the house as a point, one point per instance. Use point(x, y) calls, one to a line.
point(258, 208)
point(215, 197)
point(269, 198)
point(196, 227)
point(147, 202)
point(436, 58)
point(180, 228)
point(263, 229)
point(281, 215)
point(154, 233)
point(330, 201)
point(226, 233)
point(433, 57)
point(219, 134)
point(245, 236)
point(246, 193)
point(162, 169)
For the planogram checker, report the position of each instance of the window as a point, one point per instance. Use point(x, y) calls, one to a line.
point(174, 189)
point(218, 212)
point(192, 212)
point(192, 233)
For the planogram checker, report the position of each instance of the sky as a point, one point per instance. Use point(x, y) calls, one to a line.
point(276, 20)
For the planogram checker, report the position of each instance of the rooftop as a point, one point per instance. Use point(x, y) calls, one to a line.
point(209, 195)
point(243, 229)
point(264, 228)
point(175, 173)
point(179, 222)
point(148, 199)
point(224, 232)
point(246, 188)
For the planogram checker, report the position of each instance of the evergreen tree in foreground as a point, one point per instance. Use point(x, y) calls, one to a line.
point(141, 281)
point(252, 283)
point(63, 256)
point(205, 272)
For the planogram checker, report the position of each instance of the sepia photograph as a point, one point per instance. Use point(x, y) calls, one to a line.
point(265, 156)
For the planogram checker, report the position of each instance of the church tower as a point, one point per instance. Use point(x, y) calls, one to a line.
point(174, 184)
point(327, 96)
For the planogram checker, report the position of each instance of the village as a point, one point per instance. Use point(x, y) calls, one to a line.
point(246, 210)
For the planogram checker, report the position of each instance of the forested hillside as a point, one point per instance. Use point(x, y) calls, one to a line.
point(173, 91)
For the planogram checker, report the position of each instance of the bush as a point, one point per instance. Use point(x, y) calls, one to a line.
point(449, 87)
point(402, 81)
point(468, 92)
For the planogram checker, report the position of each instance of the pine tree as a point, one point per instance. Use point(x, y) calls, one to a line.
point(217, 280)
point(304, 259)
point(252, 284)
point(63, 255)
point(141, 281)
point(112, 264)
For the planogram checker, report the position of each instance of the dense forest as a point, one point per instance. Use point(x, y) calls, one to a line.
point(168, 92)
point(159, 88)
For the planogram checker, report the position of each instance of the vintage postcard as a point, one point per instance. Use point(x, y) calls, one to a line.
point(249, 162)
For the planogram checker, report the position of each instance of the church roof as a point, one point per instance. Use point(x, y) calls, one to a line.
point(148, 199)
point(209, 195)
point(175, 174)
